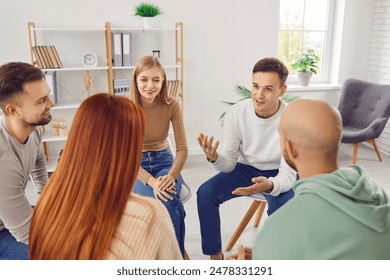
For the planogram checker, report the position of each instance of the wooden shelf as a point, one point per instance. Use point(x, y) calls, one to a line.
point(68, 29)
point(47, 137)
point(77, 68)
point(168, 66)
point(81, 29)
point(69, 104)
point(143, 29)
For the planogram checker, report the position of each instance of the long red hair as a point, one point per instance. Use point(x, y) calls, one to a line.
point(81, 206)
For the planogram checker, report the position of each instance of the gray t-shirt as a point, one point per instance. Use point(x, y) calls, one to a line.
point(17, 163)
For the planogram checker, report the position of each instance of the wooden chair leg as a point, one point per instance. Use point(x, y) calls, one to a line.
point(372, 141)
point(259, 214)
point(186, 257)
point(248, 216)
point(355, 148)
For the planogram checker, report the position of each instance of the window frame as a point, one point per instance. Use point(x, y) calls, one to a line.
point(324, 77)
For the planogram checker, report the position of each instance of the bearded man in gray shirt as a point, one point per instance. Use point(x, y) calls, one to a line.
point(25, 102)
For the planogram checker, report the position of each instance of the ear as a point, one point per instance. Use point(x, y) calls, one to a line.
point(291, 149)
point(11, 109)
point(283, 90)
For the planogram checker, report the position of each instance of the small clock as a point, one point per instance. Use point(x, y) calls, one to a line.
point(89, 59)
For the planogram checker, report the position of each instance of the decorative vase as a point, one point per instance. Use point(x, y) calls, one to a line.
point(148, 22)
point(304, 78)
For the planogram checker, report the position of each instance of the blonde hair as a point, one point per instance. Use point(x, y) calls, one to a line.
point(142, 65)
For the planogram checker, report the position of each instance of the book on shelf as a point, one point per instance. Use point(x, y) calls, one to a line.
point(51, 80)
point(46, 63)
point(57, 57)
point(174, 88)
point(126, 49)
point(47, 57)
point(52, 56)
point(121, 43)
point(38, 57)
point(116, 42)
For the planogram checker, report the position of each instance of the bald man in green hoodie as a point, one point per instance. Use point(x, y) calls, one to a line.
point(337, 213)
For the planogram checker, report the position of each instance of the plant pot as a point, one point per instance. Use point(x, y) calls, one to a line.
point(304, 78)
point(148, 22)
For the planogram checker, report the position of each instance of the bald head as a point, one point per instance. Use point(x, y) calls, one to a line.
point(313, 125)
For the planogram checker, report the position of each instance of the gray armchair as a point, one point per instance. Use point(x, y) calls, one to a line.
point(365, 109)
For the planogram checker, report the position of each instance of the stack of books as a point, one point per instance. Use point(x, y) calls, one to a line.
point(46, 57)
point(174, 88)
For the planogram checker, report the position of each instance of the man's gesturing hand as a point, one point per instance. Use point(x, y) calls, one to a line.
point(207, 146)
point(261, 184)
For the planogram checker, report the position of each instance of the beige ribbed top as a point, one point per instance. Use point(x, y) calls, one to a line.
point(145, 232)
point(158, 118)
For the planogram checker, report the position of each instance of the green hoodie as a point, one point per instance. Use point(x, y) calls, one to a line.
point(340, 215)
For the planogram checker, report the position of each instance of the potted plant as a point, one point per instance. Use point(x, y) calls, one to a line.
point(306, 65)
point(147, 12)
point(247, 94)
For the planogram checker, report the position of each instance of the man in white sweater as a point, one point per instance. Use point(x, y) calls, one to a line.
point(251, 160)
point(25, 102)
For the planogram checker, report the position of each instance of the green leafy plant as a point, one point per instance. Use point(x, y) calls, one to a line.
point(147, 10)
point(247, 94)
point(307, 62)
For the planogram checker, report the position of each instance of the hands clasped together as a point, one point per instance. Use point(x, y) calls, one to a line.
point(163, 186)
point(260, 184)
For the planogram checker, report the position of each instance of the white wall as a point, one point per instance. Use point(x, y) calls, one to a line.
point(352, 37)
point(222, 42)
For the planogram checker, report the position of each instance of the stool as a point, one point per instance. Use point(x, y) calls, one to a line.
point(258, 205)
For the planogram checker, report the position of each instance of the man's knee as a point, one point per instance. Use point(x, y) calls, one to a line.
point(274, 203)
point(204, 192)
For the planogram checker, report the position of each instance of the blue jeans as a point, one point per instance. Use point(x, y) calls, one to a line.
point(158, 164)
point(212, 193)
point(10, 249)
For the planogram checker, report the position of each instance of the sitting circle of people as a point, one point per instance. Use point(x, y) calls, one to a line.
point(115, 193)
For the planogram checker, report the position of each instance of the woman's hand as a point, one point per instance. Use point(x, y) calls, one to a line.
point(158, 193)
point(167, 182)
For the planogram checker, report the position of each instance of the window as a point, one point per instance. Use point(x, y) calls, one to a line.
point(305, 24)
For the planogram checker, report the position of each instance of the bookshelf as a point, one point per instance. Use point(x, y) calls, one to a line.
point(98, 39)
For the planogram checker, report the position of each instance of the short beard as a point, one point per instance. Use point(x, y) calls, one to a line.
point(42, 122)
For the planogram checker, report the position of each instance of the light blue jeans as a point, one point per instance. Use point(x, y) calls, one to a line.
point(215, 191)
point(158, 164)
point(10, 249)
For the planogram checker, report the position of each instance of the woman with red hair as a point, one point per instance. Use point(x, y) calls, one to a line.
point(87, 210)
